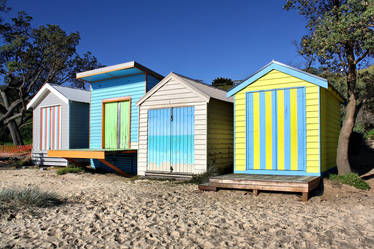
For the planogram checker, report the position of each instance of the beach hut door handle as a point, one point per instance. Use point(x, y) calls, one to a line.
point(171, 114)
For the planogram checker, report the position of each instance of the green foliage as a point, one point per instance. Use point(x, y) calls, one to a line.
point(370, 133)
point(351, 179)
point(336, 30)
point(69, 170)
point(223, 83)
point(29, 57)
point(29, 197)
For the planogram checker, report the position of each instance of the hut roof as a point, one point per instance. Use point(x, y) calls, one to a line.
point(65, 93)
point(202, 89)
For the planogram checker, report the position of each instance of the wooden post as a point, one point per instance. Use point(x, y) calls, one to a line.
point(305, 196)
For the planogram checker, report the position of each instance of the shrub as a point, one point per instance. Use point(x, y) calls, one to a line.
point(370, 133)
point(69, 170)
point(30, 197)
point(351, 179)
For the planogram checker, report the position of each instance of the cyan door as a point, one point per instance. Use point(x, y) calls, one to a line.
point(171, 140)
point(275, 130)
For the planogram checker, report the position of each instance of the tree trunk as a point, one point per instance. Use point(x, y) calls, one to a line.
point(342, 159)
point(12, 125)
point(15, 133)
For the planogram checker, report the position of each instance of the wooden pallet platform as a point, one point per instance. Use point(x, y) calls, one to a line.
point(284, 183)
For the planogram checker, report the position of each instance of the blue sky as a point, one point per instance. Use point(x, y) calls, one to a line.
point(201, 39)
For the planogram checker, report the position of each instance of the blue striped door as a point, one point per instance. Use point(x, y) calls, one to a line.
point(182, 133)
point(171, 140)
point(275, 130)
point(159, 139)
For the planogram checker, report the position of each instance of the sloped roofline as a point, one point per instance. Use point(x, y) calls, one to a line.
point(50, 87)
point(42, 91)
point(122, 66)
point(166, 80)
point(275, 65)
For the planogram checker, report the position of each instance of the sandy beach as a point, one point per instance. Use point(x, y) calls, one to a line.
point(109, 211)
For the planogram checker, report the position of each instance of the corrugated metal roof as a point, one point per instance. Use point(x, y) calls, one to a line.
point(73, 94)
point(209, 90)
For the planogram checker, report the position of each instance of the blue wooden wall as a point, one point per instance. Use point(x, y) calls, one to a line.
point(133, 86)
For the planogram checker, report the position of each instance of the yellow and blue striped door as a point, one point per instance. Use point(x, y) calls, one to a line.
point(275, 134)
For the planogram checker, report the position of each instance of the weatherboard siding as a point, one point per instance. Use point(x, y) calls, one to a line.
point(50, 100)
point(330, 128)
point(79, 127)
point(278, 80)
point(220, 135)
point(174, 94)
point(38, 156)
point(132, 86)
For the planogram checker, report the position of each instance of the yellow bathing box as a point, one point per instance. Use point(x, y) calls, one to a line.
point(286, 122)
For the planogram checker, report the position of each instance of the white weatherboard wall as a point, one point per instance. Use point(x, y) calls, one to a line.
point(174, 94)
point(39, 156)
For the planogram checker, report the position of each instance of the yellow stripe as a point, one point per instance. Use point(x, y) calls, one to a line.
point(280, 111)
point(293, 100)
point(256, 130)
point(239, 141)
point(268, 109)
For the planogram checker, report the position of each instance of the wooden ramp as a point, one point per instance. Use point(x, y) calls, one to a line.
point(284, 183)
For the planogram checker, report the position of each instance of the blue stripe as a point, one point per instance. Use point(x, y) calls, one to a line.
point(262, 131)
point(276, 172)
point(249, 131)
point(287, 130)
point(274, 125)
point(234, 133)
point(300, 128)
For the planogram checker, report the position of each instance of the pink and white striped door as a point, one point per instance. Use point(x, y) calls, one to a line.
point(50, 132)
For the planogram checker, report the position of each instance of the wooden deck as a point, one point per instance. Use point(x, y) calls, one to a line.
point(87, 153)
point(284, 183)
point(100, 154)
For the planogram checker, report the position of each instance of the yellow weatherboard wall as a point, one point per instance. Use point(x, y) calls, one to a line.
point(330, 128)
point(279, 80)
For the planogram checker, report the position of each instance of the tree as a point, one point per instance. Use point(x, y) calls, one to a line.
point(30, 57)
point(341, 36)
point(223, 83)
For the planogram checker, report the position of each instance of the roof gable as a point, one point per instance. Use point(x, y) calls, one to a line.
point(201, 89)
point(274, 65)
point(66, 94)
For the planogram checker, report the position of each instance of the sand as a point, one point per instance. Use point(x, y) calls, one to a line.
point(109, 211)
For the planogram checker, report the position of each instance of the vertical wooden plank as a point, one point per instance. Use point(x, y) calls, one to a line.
point(262, 131)
point(58, 127)
point(294, 129)
point(274, 130)
point(256, 131)
point(280, 129)
point(125, 124)
point(249, 131)
point(287, 130)
point(269, 129)
point(301, 139)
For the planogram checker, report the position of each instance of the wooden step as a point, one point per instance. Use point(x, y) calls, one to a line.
point(301, 184)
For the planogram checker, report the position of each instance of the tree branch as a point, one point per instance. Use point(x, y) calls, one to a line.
point(361, 57)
